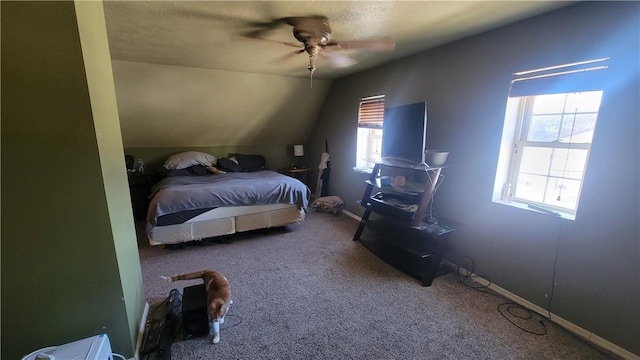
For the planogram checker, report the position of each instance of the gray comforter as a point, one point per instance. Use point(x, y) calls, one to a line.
point(180, 193)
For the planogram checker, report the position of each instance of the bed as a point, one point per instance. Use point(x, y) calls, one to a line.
point(188, 207)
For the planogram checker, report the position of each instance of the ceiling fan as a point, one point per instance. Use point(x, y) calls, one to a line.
point(315, 35)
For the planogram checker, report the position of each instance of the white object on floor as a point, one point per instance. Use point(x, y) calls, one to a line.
point(92, 348)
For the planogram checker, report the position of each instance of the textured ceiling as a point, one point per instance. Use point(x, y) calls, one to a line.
point(209, 34)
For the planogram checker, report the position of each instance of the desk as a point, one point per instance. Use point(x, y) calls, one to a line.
point(298, 173)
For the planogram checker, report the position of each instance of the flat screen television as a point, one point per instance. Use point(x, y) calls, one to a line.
point(404, 132)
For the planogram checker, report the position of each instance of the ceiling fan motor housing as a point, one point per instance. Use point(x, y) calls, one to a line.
point(315, 38)
point(314, 31)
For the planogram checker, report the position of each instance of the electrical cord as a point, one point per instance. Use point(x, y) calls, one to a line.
point(225, 326)
point(508, 309)
point(511, 308)
point(555, 263)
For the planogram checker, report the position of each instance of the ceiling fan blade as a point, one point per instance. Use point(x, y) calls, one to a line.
point(287, 56)
point(261, 34)
point(375, 44)
point(232, 21)
point(336, 59)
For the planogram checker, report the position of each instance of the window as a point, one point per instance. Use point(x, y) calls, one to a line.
point(549, 126)
point(369, 141)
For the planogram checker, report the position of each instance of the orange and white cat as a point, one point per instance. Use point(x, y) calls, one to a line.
point(218, 291)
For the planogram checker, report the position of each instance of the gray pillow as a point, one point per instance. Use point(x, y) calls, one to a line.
point(189, 158)
point(251, 162)
point(228, 165)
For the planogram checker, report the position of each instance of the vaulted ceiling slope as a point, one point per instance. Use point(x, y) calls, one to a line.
point(187, 74)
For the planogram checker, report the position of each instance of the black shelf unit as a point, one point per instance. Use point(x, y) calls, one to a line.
point(403, 235)
point(140, 188)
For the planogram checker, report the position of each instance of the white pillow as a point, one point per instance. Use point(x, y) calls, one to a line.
point(189, 158)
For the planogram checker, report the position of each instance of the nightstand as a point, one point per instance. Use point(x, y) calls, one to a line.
point(298, 173)
point(140, 188)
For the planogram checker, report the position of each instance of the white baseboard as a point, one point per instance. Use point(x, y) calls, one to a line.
point(567, 325)
point(143, 321)
point(351, 215)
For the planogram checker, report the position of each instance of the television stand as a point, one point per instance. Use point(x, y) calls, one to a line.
point(400, 235)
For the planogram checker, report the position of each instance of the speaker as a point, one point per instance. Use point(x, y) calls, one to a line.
point(195, 321)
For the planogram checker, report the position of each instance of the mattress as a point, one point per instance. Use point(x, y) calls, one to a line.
point(186, 208)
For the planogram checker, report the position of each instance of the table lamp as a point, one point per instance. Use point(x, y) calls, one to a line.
point(298, 151)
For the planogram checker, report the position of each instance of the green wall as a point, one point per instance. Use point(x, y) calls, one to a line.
point(70, 266)
point(465, 85)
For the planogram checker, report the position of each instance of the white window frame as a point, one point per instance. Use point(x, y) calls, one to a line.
point(516, 124)
point(524, 121)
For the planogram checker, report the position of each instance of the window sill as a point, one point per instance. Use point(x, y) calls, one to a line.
point(527, 207)
point(363, 170)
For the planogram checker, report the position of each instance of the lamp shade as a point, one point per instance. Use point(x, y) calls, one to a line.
point(298, 150)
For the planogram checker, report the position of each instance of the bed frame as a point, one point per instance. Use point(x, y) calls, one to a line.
point(226, 221)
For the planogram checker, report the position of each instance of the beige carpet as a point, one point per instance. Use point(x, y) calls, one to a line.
point(310, 292)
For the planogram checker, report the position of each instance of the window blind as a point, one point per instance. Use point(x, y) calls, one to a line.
point(581, 76)
point(371, 113)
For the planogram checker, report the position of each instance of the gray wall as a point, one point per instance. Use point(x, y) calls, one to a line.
point(70, 263)
point(465, 85)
